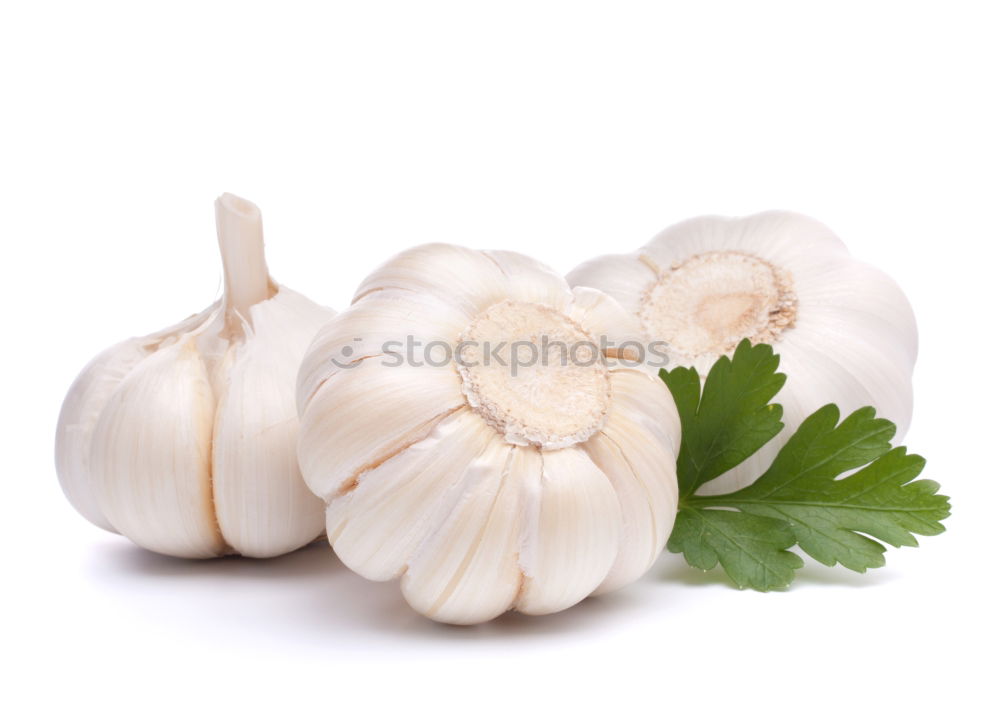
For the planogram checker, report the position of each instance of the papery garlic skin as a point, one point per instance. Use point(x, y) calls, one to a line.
point(483, 490)
point(184, 440)
point(844, 330)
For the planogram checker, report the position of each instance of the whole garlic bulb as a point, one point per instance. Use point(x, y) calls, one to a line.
point(844, 330)
point(483, 487)
point(184, 440)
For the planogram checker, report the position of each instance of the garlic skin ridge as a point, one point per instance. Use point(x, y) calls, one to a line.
point(844, 330)
point(184, 440)
point(485, 491)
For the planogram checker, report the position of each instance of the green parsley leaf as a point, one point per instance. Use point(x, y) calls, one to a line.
point(804, 497)
point(731, 418)
point(752, 549)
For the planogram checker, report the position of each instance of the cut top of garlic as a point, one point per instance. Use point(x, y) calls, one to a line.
point(556, 400)
point(706, 304)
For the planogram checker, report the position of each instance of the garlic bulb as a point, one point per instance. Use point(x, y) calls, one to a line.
point(844, 330)
point(486, 473)
point(184, 440)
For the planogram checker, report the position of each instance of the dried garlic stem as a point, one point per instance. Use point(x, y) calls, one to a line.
point(241, 242)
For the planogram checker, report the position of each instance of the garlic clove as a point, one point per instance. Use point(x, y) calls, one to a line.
point(334, 450)
point(641, 540)
point(529, 280)
point(624, 278)
point(867, 327)
point(468, 572)
point(262, 505)
point(152, 474)
point(87, 398)
point(573, 530)
point(377, 527)
point(804, 363)
point(868, 298)
point(599, 313)
point(876, 370)
point(786, 238)
point(596, 310)
point(84, 402)
point(656, 415)
point(383, 318)
point(679, 242)
point(468, 279)
point(635, 450)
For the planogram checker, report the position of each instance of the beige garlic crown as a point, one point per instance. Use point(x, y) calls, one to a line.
point(184, 440)
point(845, 331)
point(483, 488)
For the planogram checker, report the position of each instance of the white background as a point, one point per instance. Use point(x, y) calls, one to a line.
point(561, 130)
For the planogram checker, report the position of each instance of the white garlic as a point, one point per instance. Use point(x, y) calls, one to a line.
point(184, 440)
point(485, 489)
point(844, 330)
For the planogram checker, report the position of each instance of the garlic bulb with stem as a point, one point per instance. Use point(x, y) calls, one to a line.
point(184, 440)
point(845, 331)
point(471, 433)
